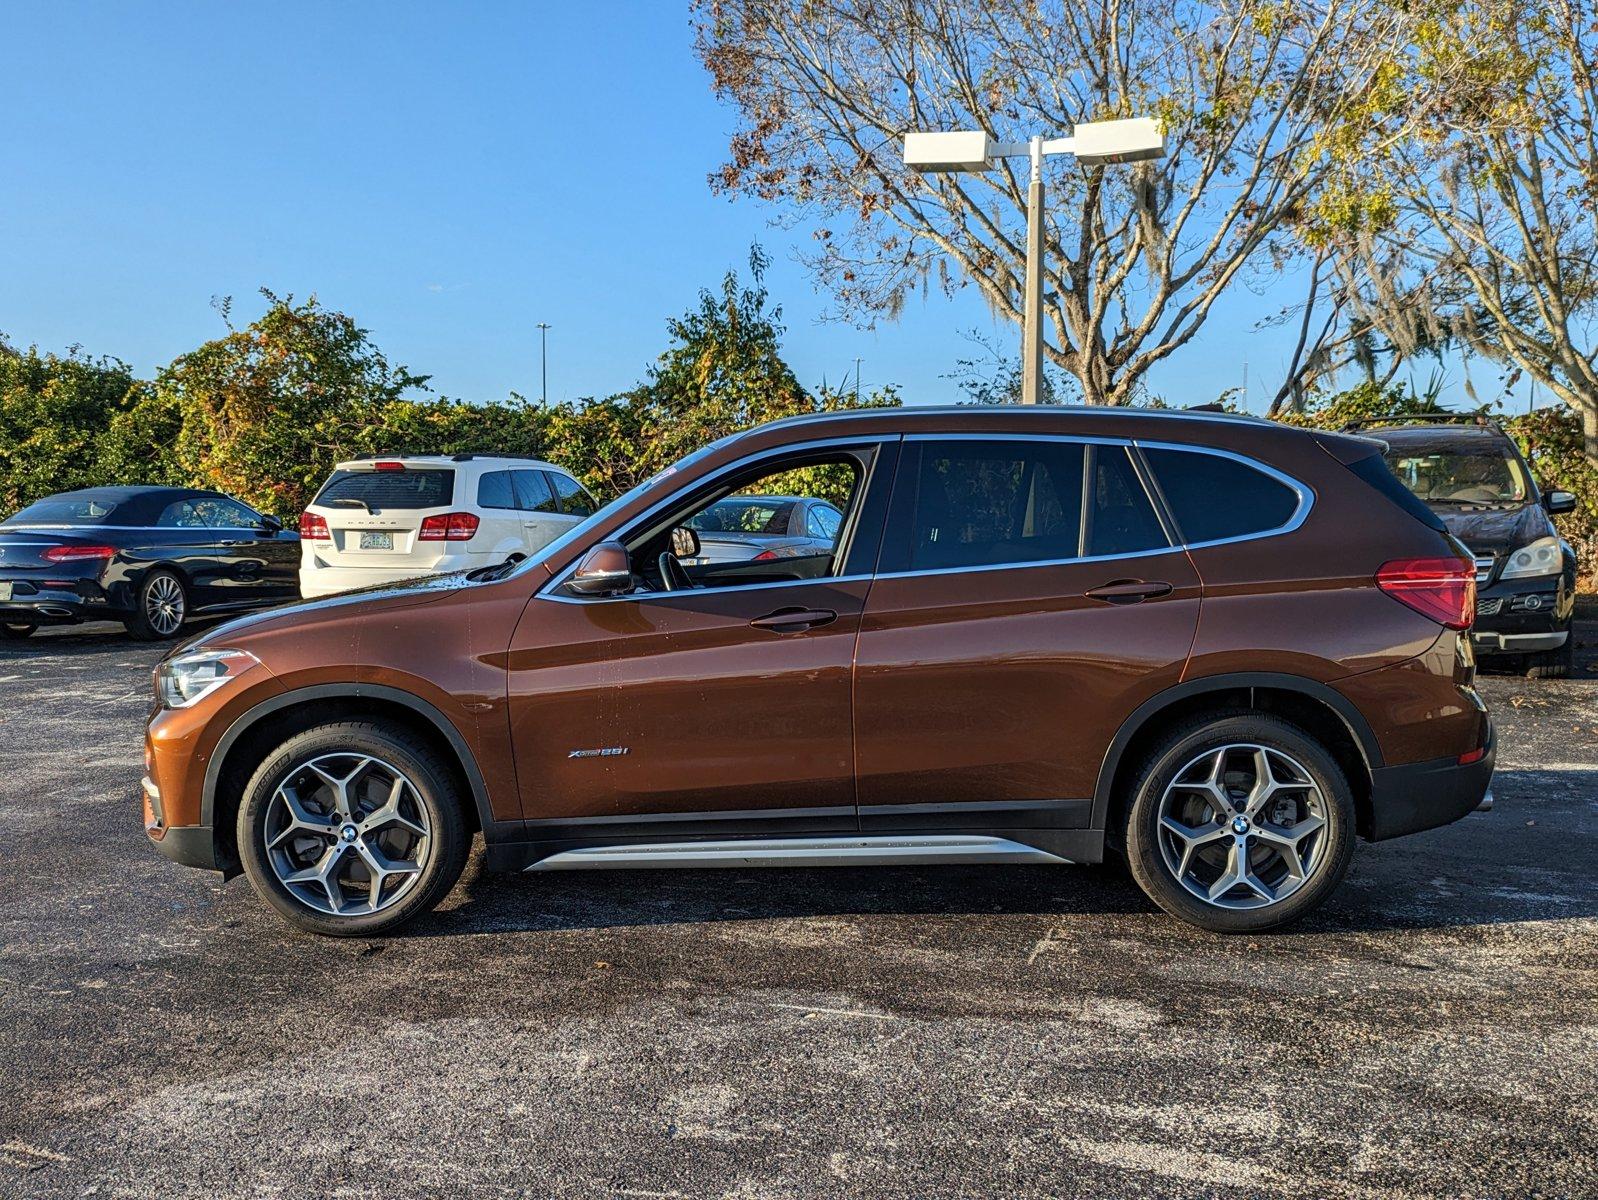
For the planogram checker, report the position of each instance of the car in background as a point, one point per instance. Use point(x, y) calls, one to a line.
point(150, 557)
point(763, 528)
point(382, 519)
point(1470, 473)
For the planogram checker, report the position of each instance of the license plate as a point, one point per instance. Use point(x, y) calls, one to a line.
point(377, 541)
point(5, 591)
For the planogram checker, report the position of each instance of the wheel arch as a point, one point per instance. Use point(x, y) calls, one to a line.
point(1324, 712)
point(268, 723)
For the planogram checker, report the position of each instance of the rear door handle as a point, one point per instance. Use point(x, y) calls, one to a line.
point(793, 620)
point(1129, 591)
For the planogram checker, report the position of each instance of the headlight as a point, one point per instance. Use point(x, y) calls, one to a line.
point(189, 677)
point(1541, 557)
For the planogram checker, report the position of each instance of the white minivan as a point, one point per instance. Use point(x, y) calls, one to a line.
point(377, 520)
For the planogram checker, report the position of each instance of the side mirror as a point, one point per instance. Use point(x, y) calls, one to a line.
point(1559, 502)
point(604, 571)
point(684, 542)
point(272, 524)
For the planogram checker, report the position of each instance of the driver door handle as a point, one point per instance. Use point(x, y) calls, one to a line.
point(794, 620)
point(1129, 591)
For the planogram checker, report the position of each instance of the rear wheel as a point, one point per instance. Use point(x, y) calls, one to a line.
point(1239, 823)
point(161, 605)
point(1556, 663)
point(352, 829)
point(16, 632)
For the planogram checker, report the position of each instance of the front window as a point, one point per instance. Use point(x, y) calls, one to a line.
point(1450, 476)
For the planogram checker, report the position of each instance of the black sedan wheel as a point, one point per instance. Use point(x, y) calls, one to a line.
point(162, 606)
point(16, 632)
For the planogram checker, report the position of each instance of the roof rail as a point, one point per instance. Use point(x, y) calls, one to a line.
point(1478, 419)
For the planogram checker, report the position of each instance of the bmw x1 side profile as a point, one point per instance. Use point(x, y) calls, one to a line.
point(1220, 647)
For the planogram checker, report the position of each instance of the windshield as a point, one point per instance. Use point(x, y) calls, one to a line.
point(66, 510)
point(1458, 477)
point(581, 533)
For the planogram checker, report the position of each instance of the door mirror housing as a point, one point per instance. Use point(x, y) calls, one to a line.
point(272, 524)
point(1559, 502)
point(684, 542)
point(605, 570)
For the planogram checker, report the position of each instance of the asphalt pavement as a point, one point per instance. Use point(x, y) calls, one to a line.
point(955, 1031)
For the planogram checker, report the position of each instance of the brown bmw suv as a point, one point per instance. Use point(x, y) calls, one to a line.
point(1218, 646)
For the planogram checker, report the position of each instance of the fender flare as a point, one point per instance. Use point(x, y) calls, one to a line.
point(349, 691)
point(1359, 729)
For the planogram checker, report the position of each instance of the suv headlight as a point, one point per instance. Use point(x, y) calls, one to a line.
point(1541, 557)
point(183, 680)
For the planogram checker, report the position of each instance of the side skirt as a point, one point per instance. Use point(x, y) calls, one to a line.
point(903, 849)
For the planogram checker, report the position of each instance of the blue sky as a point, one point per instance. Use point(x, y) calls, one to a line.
point(448, 174)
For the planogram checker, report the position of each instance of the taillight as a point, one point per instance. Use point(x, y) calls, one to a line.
point(61, 554)
point(313, 528)
point(765, 556)
point(389, 466)
point(448, 527)
point(1443, 589)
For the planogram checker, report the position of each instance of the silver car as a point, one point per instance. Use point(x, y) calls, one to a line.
point(761, 528)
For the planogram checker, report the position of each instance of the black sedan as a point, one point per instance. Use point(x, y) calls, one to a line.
point(150, 557)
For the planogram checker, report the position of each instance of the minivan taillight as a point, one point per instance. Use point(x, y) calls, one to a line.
point(1443, 589)
point(313, 528)
point(448, 527)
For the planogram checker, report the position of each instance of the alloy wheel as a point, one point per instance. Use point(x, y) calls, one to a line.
point(1243, 826)
point(347, 834)
point(163, 605)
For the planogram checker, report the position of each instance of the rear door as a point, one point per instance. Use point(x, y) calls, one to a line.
point(374, 515)
point(541, 512)
point(1029, 598)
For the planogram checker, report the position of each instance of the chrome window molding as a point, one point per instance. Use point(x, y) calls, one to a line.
point(550, 590)
point(717, 591)
point(1305, 494)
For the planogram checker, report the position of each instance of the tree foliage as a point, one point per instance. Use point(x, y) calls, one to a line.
point(1257, 97)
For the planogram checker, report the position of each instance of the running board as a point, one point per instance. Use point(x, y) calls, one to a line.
point(855, 851)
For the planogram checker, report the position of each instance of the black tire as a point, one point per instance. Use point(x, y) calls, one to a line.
point(435, 792)
point(1557, 663)
point(1179, 748)
point(145, 623)
point(15, 633)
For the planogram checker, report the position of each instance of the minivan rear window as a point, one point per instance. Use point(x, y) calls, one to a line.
point(1215, 498)
point(426, 488)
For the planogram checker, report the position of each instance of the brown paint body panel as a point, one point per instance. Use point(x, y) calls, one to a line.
point(1006, 685)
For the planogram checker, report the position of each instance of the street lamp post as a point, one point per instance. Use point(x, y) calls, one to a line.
point(1093, 143)
point(543, 362)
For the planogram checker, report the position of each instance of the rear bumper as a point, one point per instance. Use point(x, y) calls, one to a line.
point(57, 606)
point(1424, 795)
point(316, 582)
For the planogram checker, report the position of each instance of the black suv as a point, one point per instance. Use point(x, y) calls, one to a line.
point(1471, 474)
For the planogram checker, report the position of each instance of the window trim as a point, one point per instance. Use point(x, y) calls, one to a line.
point(1162, 510)
point(877, 443)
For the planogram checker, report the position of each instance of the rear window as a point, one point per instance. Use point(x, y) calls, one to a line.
point(68, 510)
point(1375, 471)
point(1215, 498)
point(427, 488)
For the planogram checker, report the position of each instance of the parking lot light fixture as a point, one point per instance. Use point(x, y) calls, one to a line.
point(1093, 143)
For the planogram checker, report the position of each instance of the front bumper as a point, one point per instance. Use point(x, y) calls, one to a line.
point(188, 845)
point(1523, 616)
point(1424, 795)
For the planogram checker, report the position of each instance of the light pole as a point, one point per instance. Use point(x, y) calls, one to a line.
point(543, 362)
point(857, 363)
point(1093, 143)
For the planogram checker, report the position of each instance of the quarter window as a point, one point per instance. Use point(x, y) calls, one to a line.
point(494, 490)
point(1214, 498)
point(984, 503)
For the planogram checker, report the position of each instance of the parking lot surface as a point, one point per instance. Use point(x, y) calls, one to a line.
point(1029, 1031)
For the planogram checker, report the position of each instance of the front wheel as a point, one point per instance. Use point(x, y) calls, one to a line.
point(352, 829)
point(1556, 663)
point(1239, 823)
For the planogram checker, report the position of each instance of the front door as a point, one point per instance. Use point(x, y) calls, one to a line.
point(1030, 600)
point(710, 701)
